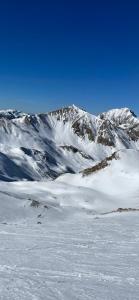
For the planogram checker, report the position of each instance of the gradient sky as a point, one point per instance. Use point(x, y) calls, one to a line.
point(56, 53)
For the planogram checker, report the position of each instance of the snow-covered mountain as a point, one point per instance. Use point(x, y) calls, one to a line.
point(68, 140)
point(80, 230)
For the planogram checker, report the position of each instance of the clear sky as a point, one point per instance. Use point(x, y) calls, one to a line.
point(55, 53)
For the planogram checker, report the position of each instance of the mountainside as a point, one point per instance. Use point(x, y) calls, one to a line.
point(68, 140)
point(109, 185)
point(104, 188)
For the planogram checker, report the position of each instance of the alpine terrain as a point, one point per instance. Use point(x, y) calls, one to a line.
point(69, 205)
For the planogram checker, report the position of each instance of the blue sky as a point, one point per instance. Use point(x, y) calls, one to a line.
point(56, 53)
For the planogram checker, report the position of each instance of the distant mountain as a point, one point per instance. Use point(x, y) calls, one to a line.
point(68, 140)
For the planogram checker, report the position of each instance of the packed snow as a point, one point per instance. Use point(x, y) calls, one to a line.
point(70, 255)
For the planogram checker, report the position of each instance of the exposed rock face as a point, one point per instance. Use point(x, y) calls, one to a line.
point(124, 118)
point(103, 164)
point(66, 140)
point(82, 129)
point(75, 150)
point(105, 134)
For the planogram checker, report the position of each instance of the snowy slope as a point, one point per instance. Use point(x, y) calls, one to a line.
point(63, 239)
point(112, 184)
point(68, 238)
point(103, 188)
point(79, 258)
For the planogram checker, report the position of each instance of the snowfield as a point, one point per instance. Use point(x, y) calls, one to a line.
point(78, 257)
point(114, 186)
point(64, 239)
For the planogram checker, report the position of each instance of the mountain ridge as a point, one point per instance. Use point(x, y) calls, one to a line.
point(72, 106)
point(69, 139)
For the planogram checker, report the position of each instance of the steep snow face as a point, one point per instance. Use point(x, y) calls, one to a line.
point(65, 140)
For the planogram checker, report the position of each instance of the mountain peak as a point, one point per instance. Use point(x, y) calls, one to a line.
point(123, 110)
point(10, 114)
point(71, 113)
point(119, 115)
point(73, 106)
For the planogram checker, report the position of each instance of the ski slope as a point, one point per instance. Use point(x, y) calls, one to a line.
point(79, 257)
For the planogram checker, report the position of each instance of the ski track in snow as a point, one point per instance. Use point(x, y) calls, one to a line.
point(81, 257)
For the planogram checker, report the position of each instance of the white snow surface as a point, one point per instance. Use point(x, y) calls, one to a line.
point(115, 186)
point(80, 257)
point(62, 249)
point(60, 239)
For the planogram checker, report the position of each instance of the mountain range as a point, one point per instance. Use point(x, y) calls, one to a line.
point(68, 140)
